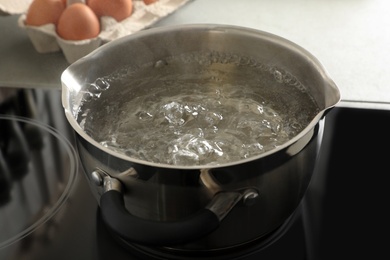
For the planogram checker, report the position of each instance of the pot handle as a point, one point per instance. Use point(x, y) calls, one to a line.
point(155, 233)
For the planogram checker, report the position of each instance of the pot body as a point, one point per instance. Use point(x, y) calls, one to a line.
point(163, 194)
point(278, 178)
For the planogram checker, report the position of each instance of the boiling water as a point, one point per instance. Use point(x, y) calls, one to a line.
point(196, 110)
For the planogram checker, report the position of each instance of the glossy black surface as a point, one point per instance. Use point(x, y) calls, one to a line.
point(343, 215)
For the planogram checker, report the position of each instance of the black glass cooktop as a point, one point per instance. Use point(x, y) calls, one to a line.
point(48, 212)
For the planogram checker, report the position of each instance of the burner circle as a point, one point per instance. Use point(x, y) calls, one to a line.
point(46, 173)
point(244, 251)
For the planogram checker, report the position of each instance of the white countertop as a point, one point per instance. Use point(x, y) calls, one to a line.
point(351, 38)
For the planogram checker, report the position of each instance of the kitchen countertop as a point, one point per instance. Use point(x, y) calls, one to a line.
point(351, 38)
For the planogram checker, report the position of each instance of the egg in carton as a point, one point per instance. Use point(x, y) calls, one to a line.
point(45, 38)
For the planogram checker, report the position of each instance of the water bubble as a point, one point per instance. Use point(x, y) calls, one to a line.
point(144, 115)
point(204, 59)
point(94, 91)
point(87, 96)
point(102, 84)
point(252, 62)
point(244, 61)
point(234, 58)
point(262, 67)
point(249, 150)
point(160, 63)
point(278, 76)
point(187, 58)
point(215, 57)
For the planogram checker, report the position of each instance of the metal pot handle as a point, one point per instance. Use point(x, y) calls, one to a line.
point(155, 233)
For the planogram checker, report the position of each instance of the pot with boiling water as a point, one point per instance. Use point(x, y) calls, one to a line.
point(197, 137)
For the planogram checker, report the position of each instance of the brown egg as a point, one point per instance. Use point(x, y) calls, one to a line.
point(42, 12)
point(118, 9)
point(148, 2)
point(78, 22)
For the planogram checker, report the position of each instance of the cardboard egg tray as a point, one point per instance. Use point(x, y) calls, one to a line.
point(8, 7)
point(45, 39)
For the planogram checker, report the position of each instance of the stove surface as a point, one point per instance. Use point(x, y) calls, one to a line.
point(48, 212)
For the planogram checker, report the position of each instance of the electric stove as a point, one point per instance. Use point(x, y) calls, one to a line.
point(47, 210)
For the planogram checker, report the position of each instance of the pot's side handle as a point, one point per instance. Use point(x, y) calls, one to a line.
point(146, 232)
point(165, 233)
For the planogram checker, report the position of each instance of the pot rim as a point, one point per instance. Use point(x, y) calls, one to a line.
point(66, 77)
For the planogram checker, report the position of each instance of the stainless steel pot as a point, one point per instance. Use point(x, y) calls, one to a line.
point(198, 207)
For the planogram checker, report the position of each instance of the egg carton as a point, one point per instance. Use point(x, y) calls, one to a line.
point(45, 39)
point(8, 7)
